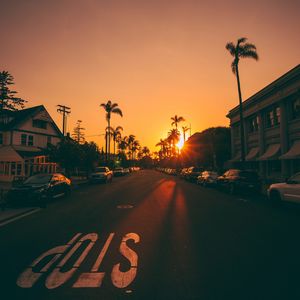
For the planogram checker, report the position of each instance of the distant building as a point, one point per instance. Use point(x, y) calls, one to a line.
point(272, 128)
point(24, 138)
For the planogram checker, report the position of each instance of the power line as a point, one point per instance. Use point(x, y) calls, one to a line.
point(65, 111)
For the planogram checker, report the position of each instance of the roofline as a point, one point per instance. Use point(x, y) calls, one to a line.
point(280, 80)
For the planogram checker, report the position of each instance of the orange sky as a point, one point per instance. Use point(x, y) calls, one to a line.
point(154, 58)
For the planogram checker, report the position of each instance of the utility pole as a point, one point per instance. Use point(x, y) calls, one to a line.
point(64, 110)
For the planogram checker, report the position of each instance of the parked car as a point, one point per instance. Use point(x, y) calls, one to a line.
point(126, 171)
point(192, 173)
point(207, 178)
point(119, 171)
point(101, 174)
point(235, 180)
point(286, 191)
point(183, 172)
point(39, 189)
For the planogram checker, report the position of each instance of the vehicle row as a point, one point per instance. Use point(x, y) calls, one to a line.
point(240, 181)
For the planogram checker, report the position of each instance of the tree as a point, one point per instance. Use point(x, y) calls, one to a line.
point(116, 135)
point(174, 136)
point(110, 108)
point(78, 134)
point(7, 96)
point(145, 151)
point(163, 144)
point(184, 130)
point(176, 120)
point(209, 148)
point(238, 51)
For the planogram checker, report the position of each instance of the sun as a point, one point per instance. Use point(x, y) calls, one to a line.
point(180, 144)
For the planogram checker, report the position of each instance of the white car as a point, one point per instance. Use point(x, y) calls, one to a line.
point(286, 191)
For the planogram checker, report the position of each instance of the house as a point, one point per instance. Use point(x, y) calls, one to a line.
point(24, 138)
point(272, 128)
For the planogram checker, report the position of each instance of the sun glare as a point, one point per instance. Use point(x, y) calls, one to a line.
point(180, 144)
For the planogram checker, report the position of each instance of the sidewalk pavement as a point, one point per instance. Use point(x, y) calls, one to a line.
point(7, 213)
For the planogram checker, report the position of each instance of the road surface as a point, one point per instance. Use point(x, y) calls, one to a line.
point(152, 236)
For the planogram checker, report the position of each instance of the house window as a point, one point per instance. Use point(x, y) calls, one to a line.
point(1, 138)
point(24, 139)
point(273, 117)
point(295, 109)
point(30, 140)
point(253, 124)
point(39, 124)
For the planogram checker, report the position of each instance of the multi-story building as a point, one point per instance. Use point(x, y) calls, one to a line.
point(272, 128)
point(24, 138)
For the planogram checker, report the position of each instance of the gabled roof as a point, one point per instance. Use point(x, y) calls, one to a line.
point(20, 116)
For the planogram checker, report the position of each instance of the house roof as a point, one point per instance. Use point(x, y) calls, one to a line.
point(19, 116)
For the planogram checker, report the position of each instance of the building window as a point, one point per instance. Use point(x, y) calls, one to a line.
point(273, 117)
point(24, 139)
point(39, 124)
point(30, 140)
point(1, 138)
point(253, 124)
point(295, 109)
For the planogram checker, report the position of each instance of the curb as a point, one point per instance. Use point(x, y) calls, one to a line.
point(17, 215)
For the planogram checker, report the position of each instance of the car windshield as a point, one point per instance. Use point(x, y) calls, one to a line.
point(118, 169)
point(38, 179)
point(103, 170)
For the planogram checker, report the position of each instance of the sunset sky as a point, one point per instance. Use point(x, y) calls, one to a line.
point(154, 58)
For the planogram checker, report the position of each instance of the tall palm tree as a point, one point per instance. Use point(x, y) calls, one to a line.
point(176, 120)
point(116, 135)
point(135, 147)
point(242, 49)
point(110, 108)
point(173, 136)
point(184, 130)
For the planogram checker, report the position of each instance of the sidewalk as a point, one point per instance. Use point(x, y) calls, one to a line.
point(8, 213)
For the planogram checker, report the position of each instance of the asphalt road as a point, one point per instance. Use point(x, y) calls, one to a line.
point(152, 236)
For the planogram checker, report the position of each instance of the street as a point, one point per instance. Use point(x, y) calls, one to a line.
point(149, 235)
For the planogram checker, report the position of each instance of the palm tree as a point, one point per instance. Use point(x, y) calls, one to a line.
point(110, 108)
point(135, 147)
point(163, 147)
point(145, 151)
point(176, 120)
point(116, 135)
point(184, 130)
point(238, 51)
point(173, 136)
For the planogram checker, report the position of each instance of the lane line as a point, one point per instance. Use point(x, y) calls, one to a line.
point(20, 217)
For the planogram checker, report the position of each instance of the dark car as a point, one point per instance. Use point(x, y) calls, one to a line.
point(101, 174)
point(119, 171)
point(235, 180)
point(192, 173)
point(207, 178)
point(39, 189)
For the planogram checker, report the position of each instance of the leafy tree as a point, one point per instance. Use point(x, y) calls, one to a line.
point(242, 49)
point(7, 96)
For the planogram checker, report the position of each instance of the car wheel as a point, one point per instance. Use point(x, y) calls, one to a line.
point(275, 197)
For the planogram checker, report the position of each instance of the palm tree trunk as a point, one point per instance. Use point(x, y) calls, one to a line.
point(108, 122)
point(242, 135)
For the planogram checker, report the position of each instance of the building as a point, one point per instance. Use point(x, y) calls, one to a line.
point(24, 138)
point(272, 128)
